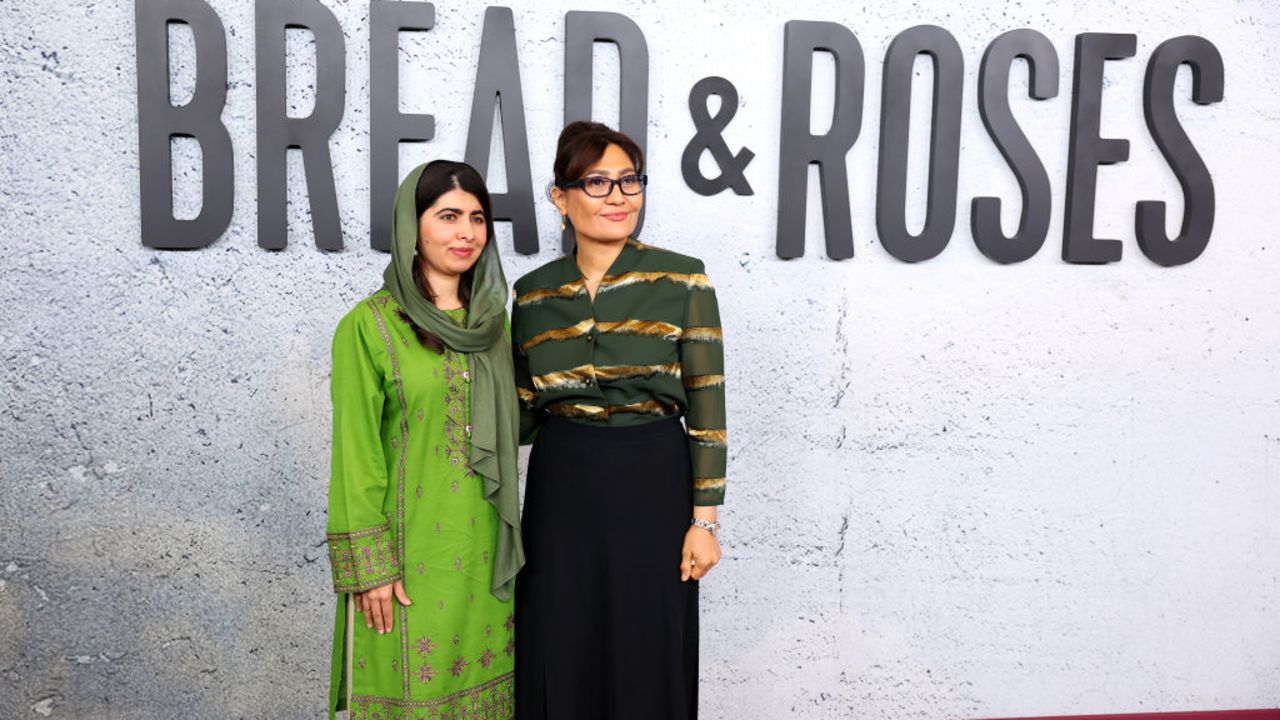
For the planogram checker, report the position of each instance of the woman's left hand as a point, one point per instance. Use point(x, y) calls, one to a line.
point(701, 553)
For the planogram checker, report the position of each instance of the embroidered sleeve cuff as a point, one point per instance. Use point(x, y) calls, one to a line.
point(363, 560)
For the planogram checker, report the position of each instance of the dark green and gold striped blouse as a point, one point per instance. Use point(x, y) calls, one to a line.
point(648, 348)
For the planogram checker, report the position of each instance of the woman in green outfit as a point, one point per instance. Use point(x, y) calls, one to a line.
point(423, 527)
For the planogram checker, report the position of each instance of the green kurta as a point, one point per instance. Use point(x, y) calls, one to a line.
point(403, 504)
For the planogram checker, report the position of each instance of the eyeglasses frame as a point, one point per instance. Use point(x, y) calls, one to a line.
point(613, 182)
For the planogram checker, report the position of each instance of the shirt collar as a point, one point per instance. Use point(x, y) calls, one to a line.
point(625, 261)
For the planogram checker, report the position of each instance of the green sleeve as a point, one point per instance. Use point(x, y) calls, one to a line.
point(361, 546)
point(530, 413)
point(702, 368)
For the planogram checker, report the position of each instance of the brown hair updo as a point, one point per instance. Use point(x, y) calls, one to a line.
point(582, 142)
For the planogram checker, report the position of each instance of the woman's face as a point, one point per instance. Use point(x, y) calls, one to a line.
point(602, 219)
point(452, 233)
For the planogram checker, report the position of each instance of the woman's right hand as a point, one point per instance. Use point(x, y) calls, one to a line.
point(376, 605)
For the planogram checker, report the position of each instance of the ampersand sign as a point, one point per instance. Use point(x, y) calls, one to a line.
point(707, 138)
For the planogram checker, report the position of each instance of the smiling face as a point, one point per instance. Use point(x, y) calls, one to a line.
point(452, 233)
point(607, 219)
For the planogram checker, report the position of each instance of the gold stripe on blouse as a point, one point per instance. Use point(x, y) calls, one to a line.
point(567, 333)
point(710, 438)
point(611, 373)
point(617, 282)
point(644, 328)
point(700, 382)
point(648, 407)
point(578, 410)
point(647, 328)
point(595, 412)
point(568, 290)
point(708, 483)
point(702, 334)
point(581, 376)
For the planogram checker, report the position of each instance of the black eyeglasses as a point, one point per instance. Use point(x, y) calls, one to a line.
point(598, 186)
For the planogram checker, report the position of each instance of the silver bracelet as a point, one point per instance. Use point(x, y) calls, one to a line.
point(712, 527)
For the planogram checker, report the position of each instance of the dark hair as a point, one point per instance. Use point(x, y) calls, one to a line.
point(582, 143)
point(438, 178)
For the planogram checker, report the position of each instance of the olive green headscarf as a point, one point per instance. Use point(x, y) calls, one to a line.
point(483, 339)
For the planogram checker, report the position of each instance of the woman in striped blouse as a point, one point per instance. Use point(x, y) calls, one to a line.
point(614, 344)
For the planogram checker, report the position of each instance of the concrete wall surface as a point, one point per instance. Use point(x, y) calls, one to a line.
point(956, 488)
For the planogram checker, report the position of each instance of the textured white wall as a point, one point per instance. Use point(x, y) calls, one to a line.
point(957, 489)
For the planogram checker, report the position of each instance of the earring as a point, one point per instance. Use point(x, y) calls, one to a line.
point(564, 219)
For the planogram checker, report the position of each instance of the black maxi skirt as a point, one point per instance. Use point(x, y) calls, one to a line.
point(605, 629)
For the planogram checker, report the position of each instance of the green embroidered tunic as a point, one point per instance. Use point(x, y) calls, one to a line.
point(648, 347)
point(403, 505)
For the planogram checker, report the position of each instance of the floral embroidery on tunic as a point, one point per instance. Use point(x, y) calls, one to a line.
point(459, 666)
point(426, 646)
point(493, 700)
point(486, 659)
point(426, 674)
